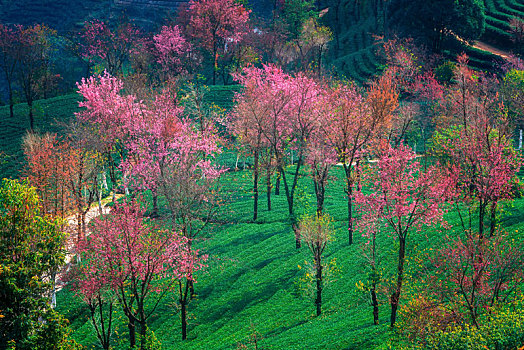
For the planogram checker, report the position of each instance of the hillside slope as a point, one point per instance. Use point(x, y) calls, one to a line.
point(253, 274)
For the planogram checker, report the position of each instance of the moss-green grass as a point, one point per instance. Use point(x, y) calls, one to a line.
point(252, 272)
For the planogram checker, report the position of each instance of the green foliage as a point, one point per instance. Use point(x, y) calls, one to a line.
point(295, 13)
point(445, 72)
point(31, 251)
point(151, 342)
point(305, 283)
point(502, 328)
point(436, 18)
point(513, 93)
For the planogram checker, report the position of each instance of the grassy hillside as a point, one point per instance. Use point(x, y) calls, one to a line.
point(51, 115)
point(252, 276)
point(353, 54)
point(498, 15)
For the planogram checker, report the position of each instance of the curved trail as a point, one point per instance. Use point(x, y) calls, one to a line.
point(487, 47)
point(72, 238)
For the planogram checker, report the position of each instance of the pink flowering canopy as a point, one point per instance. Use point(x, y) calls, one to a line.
point(124, 246)
point(404, 195)
point(171, 49)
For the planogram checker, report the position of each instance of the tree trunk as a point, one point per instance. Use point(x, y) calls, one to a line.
point(395, 297)
point(255, 186)
point(268, 184)
point(132, 337)
point(359, 174)
point(374, 302)
point(155, 205)
point(318, 300)
point(215, 61)
point(298, 241)
point(277, 184)
point(349, 192)
point(143, 331)
point(192, 293)
point(99, 195)
point(482, 214)
point(31, 117)
point(183, 315)
point(350, 212)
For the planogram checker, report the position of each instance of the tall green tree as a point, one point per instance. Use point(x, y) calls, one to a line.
point(31, 251)
point(436, 19)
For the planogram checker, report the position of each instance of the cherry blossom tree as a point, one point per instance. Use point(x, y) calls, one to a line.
point(215, 23)
point(249, 116)
point(164, 152)
point(35, 50)
point(172, 51)
point(476, 145)
point(112, 47)
point(320, 156)
point(353, 122)
point(463, 284)
point(287, 120)
point(10, 51)
point(139, 261)
point(103, 121)
point(471, 276)
point(404, 198)
point(93, 287)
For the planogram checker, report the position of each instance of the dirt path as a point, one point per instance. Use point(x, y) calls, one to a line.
point(487, 47)
point(72, 238)
point(480, 45)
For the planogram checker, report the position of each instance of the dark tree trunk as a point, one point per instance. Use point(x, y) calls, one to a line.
point(349, 192)
point(143, 331)
point(155, 205)
point(268, 184)
point(350, 212)
point(132, 329)
point(298, 241)
point(192, 293)
point(320, 194)
point(215, 62)
point(374, 302)
point(359, 174)
point(255, 186)
point(277, 184)
point(318, 300)
point(290, 196)
point(482, 214)
point(31, 117)
point(183, 316)
point(395, 297)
